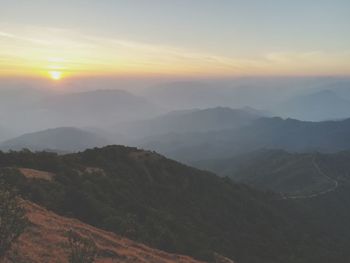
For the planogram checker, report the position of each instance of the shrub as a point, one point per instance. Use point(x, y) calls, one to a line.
point(12, 218)
point(82, 250)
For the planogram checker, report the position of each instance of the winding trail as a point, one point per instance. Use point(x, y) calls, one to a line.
point(334, 186)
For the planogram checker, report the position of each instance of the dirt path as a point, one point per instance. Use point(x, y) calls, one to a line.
point(334, 186)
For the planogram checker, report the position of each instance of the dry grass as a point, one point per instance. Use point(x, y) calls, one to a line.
point(36, 174)
point(45, 241)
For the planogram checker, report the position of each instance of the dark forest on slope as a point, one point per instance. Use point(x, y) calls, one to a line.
point(149, 198)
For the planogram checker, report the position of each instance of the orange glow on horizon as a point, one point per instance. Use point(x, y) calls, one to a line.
point(55, 75)
point(33, 53)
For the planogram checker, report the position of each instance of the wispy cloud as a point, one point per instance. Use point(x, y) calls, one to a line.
point(316, 62)
point(39, 49)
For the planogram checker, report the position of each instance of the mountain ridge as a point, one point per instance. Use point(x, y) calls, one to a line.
point(62, 139)
point(269, 133)
point(319, 106)
point(182, 121)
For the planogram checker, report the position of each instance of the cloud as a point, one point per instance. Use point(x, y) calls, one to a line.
point(313, 62)
point(41, 49)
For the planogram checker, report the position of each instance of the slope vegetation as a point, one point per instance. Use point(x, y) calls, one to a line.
point(164, 204)
point(275, 170)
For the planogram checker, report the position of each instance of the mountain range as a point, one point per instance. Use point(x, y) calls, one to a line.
point(270, 133)
point(98, 108)
point(64, 139)
point(319, 106)
point(256, 92)
point(26, 109)
point(211, 119)
point(196, 135)
point(51, 109)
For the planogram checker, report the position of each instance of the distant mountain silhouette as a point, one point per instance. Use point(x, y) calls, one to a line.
point(211, 119)
point(27, 110)
point(341, 87)
point(322, 105)
point(270, 133)
point(4, 134)
point(60, 139)
point(240, 92)
point(100, 107)
point(23, 97)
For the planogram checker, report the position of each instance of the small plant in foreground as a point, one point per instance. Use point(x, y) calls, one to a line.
point(82, 249)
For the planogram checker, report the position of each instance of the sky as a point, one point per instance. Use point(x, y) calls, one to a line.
point(219, 38)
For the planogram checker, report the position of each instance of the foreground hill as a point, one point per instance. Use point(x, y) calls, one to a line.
point(269, 133)
point(154, 200)
point(64, 139)
point(45, 240)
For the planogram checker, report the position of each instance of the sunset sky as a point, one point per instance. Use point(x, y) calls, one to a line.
point(56, 39)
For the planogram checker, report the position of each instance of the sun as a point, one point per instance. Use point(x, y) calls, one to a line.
point(55, 75)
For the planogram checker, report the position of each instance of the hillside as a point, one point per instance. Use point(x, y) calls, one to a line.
point(154, 200)
point(275, 170)
point(45, 241)
point(64, 139)
point(319, 184)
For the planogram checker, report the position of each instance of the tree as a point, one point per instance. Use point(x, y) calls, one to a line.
point(12, 218)
point(82, 250)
